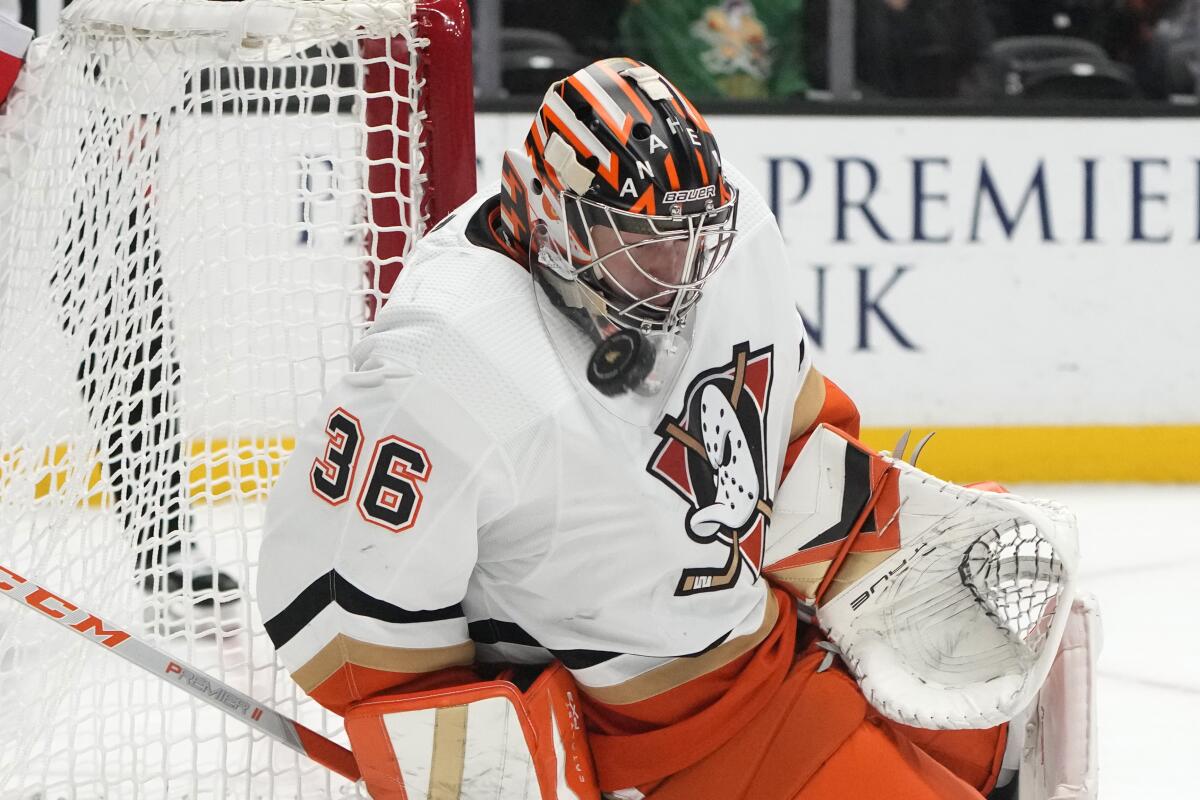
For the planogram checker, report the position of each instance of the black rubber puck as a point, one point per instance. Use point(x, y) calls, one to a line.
point(620, 363)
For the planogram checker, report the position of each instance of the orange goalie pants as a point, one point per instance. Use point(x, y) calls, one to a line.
point(820, 740)
point(781, 730)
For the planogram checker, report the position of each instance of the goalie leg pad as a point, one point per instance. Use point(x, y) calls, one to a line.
point(481, 740)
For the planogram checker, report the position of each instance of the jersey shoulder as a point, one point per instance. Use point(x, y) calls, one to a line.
point(464, 315)
point(446, 277)
point(449, 287)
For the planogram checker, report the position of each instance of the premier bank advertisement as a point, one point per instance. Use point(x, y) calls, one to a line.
point(1027, 288)
point(1024, 286)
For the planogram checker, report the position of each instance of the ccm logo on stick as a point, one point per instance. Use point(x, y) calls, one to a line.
point(56, 608)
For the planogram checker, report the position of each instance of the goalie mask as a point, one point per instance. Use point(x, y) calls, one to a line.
point(619, 198)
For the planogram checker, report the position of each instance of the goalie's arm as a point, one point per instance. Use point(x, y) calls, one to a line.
point(372, 536)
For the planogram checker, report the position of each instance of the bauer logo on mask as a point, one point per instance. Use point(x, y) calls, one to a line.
point(687, 196)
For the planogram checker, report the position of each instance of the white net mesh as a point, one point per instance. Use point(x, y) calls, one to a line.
point(1015, 574)
point(192, 197)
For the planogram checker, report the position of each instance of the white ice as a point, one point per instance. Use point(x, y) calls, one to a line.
point(1141, 555)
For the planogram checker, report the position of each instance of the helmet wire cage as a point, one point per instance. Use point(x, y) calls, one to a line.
point(653, 272)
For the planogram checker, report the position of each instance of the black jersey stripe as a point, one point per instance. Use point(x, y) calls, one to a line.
point(479, 228)
point(333, 588)
point(582, 659)
point(494, 631)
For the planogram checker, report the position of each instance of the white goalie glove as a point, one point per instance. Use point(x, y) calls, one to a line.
point(947, 603)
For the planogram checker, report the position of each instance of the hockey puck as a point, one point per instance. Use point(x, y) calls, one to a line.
point(620, 363)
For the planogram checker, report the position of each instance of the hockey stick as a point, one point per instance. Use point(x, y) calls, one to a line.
point(282, 729)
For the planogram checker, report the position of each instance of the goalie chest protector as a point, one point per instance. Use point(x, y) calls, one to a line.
point(613, 546)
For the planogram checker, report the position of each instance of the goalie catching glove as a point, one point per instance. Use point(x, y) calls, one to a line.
point(481, 740)
point(947, 603)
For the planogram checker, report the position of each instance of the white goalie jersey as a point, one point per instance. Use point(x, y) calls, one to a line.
point(462, 497)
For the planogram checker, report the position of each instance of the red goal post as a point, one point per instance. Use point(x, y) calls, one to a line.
point(202, 206)
point(448, 107)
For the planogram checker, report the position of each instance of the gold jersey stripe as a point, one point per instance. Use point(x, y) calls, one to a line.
point(805, 578)
point(343, 650)
point(681, 670)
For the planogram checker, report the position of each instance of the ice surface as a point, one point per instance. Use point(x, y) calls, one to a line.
point(1141, 554)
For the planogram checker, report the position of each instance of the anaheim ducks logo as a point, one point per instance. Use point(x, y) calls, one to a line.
point(714, 456)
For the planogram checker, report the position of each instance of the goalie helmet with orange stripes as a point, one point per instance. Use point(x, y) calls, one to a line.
point(620, 199)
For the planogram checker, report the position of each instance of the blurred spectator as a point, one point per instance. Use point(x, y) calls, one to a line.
point(1056, 68)
point(1083, 19)
point(911, 48)
point(739, 49)
point(540, 42)
point(1158, 39)
point(589, 26)
point(1161, 40)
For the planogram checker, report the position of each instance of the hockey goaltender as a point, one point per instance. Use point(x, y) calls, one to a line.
point(586, 521)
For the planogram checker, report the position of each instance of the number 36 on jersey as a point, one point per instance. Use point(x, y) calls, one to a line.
point(387, 490)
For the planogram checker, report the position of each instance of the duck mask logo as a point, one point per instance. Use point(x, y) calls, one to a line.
point(714, 456)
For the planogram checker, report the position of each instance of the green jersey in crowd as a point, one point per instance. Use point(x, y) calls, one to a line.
point(741, 49)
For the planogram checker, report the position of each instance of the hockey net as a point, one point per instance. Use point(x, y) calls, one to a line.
point(201, 206)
